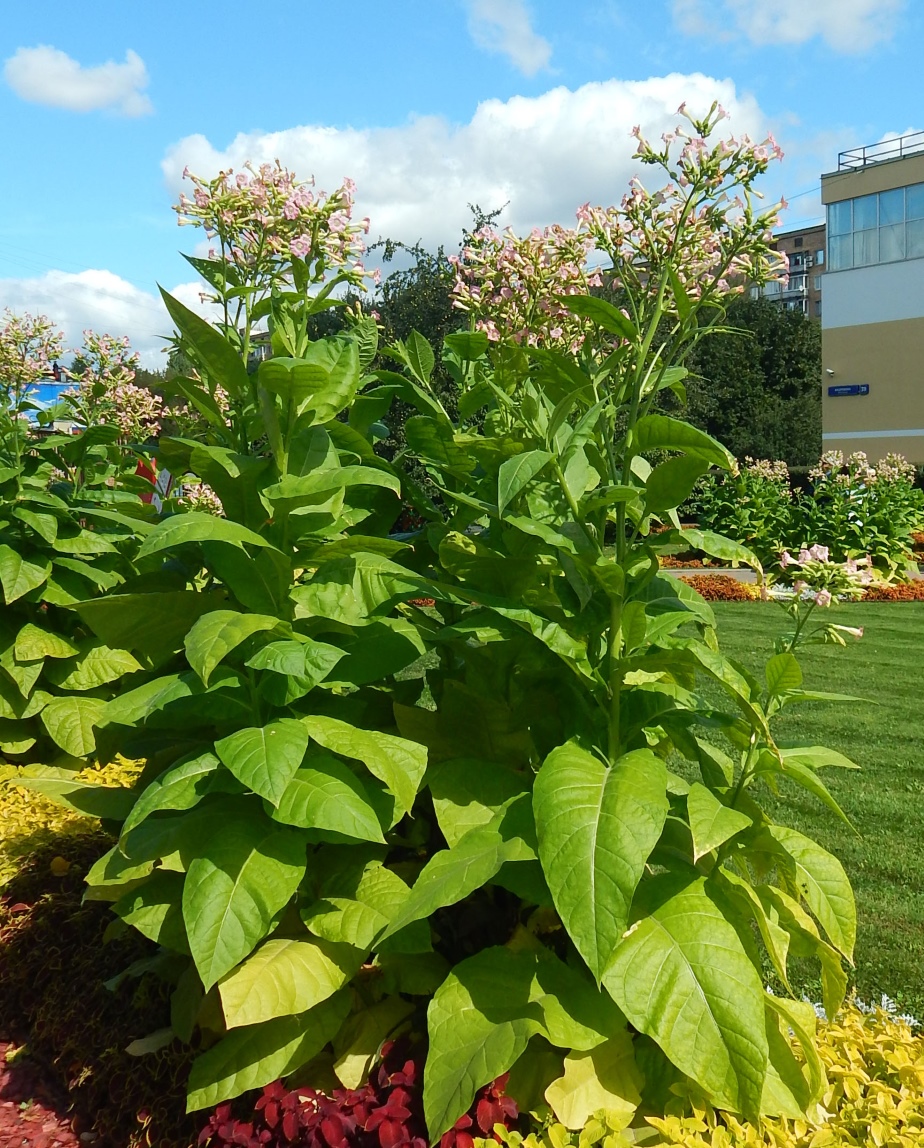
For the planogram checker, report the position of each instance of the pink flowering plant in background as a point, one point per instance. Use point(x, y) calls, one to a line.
point(105, 392)
point(29, 346)
point(513, 286)
point(819, 582)
point(280, 252)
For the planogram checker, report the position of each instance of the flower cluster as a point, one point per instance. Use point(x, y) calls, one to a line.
point(29, 345)
point(263, 220)
point(200, 496)
point(701, 235)
point(512, 284)
point(105, 392)
point(824, 580)
point(770, 470)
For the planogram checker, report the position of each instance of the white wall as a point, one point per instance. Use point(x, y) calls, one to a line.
point(878, 294)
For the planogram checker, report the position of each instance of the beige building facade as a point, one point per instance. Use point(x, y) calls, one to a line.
point(873, 313)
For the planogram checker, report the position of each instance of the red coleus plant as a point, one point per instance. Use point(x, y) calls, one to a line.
point(387, 1112)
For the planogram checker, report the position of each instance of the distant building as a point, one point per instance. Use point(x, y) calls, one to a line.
point(873, 316)
point(806, 250)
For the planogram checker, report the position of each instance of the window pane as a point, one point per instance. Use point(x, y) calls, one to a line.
point(865, 247)
point(892, 242)
point(914, 201)
point(914, 239)
point(840, 252)
point(820, 257)
point(865, 212)
point(892, 206)
point(839, 218)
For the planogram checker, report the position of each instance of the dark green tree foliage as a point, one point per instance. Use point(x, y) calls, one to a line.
point(759, 390)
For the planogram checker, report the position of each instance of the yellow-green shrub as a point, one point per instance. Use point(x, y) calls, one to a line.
point(30, 822)
point(874, 1064)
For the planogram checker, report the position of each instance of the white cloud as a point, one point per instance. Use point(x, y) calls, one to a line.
point(100, 300)
point(46, 75)
point(545, 155)
point(504, 26)
point(845, 25)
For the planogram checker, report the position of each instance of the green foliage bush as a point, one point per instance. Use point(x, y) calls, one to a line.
point(333, 837)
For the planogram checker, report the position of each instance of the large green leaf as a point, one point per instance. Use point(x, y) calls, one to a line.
point(516, 473)
point(96, 666)
point(325, 794)
point(597, 826)
point(400, 764)
point(468, 793)
point(479, 1022)
point(452, 874)
point(304, 660)
point(197, 526)
point(261, 582)
point(18, 576)
point(783, 673)
point(711, 822)
point(215, 635)
point(355, 909)
point(284, 977)
point(601, 312)
point(660, 432)
point(181, 787)
point(251, 1057)
point(218, 358)
point(672, 481)
point(70, 722)
point(33, 643)
point(353, 590)
point(154, 624)
point(604, 1078)
point(718, 546)
point(246, 871)
point(821, 880)
point(683, 977)
point(265, 758)
point(154, 910)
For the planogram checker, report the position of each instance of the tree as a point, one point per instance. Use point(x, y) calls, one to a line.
point(758, 389)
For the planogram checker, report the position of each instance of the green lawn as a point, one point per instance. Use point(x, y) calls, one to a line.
point(885, 801)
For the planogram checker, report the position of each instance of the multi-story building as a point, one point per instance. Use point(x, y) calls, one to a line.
point(806, 250)
point(873, 315)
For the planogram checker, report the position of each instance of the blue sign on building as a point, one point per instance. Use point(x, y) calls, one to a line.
point(853, 389)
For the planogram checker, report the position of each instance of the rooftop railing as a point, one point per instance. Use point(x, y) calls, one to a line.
point(896, 148)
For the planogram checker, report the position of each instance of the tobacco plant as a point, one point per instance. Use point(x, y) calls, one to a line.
point(464, 784)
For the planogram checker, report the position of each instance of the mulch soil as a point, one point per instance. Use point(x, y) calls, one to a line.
point(34, 1111)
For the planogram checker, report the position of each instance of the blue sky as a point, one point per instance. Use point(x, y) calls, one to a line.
point(428, 105)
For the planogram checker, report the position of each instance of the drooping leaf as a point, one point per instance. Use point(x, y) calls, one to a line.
point(399, 763)
point(682, 976)
point(70, 722)
point(605, 1078)
point(597, 826)
point(95, 666)
point(660, 432)
point(265, 758)
point(467, 793)
point(154, 624)
point(823, 883)
point(516, 473)
point(711, 822)
point(284, 977)
point(252, 1057)
point(244, 872)
point(219, 359)
point(325, 794)
point(672, 481)
point(104, 801)
point(197, 526)
point(215, 635)
point(18, 576)
point(180, 787)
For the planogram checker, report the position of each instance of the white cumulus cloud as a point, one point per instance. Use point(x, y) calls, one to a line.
point(845, 25)
point(504, 26)
point(102, 301)
point(46, 75)
point(546, 155)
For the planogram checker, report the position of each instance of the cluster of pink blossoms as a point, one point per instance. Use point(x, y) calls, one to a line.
point(701, 235)
point(825, 579)
point(106, 393)
point(855, 470)
point(772, 470)
point(263, 218)
point(29, 345)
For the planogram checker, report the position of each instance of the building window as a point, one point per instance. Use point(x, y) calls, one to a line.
point(816, 283)
point(820, 258)
point(883, 228)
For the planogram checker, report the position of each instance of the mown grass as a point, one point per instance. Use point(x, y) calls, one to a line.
point(885, 800)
